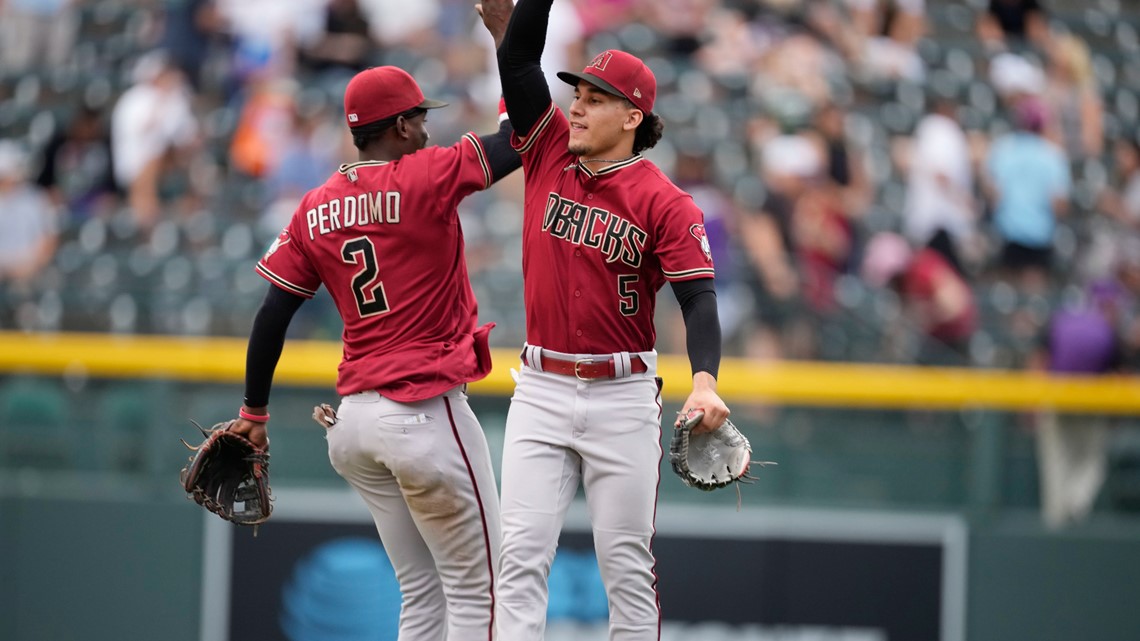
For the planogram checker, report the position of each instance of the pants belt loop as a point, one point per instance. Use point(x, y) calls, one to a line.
point(534, 357)
point(622, 367)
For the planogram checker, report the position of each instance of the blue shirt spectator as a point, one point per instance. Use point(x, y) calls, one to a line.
point(1029, 174)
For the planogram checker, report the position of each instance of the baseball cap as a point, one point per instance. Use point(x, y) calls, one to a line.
point(621, 74)
point(383, 92)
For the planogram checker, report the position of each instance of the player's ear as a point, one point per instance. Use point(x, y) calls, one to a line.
point(633, 119)
point(402, 126)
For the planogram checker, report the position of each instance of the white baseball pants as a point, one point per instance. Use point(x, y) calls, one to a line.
point(606, 435)
point(424, 469)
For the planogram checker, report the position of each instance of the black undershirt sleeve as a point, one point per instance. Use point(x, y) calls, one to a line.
point(266, 340)
point(501, 156)
point(702, 323)
point(520, 72)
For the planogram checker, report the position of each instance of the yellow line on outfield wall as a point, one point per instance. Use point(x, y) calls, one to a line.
point(313, 363)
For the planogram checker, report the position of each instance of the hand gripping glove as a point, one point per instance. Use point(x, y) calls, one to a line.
point(710, 460)
point(226, 470)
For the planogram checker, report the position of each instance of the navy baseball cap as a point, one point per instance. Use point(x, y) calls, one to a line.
point(621, 74)
point(383, 92)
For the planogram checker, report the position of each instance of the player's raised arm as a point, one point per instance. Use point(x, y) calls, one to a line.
point(520, 69)
point(501, 157)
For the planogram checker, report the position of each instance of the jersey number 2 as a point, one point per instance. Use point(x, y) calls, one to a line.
point(366, 284)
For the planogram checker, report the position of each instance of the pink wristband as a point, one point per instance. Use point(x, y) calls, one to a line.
point(256, 418)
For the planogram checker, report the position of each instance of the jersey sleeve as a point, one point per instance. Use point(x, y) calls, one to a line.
point(286, 265)
point(682, 245)
point(550, 133)
point(454, 172)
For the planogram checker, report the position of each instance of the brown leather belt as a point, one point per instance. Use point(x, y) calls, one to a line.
point(588, 369)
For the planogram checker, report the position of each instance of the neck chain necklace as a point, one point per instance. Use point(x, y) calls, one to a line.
point(583, 161)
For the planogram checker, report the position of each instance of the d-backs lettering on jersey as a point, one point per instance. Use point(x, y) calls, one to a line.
point(598, 245)
point(384, 239)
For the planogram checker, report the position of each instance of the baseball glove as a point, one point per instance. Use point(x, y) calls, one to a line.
point(226, 470)
point(710, 460)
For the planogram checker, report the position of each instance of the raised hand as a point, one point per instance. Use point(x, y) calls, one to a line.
point(495, 14)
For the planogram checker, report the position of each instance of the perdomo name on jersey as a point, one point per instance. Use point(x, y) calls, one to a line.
point(354, 211)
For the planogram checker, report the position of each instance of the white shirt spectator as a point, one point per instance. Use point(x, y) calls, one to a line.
point(940, 182)
point(152, 116)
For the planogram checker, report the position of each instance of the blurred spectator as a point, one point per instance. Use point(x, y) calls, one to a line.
point(345, 47)
point(602, 15)
point(1073, 99)
point(28, 218)
point(152, 124)
point(681, 23)
point(883, 41)
point(846, 172)
point(37, 34)
point(934, 295)
point(309, 152)
point(733, 45)
point(400, 24)
point(796, 243)
point(939, 209)
point(793, 74)
point(1121, 200)
point(1013, 77)
point(1028, 182)
point(188, 29)
point(1011, 24)
point(265, 125)
point(267, 33)
point(1071, 449)
point(76, 170)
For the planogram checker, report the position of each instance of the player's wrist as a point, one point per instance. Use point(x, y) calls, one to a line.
point(704, 380)
point(255, 414)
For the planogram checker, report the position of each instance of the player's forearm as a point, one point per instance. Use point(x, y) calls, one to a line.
point(266, 340)
point(520, 71)
point(702, 324)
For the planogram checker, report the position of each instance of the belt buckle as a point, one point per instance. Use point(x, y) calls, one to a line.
point(578, 363)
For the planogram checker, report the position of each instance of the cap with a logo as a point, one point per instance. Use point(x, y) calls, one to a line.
point(621, 74)
point(383, 92)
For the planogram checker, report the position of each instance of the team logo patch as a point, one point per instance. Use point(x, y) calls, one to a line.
point(602, 60)
point(281, 239)
point(353, 118)
point(698, 232)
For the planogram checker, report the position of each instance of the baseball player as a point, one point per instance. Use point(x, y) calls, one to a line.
point(383, 236)
point(603, 231)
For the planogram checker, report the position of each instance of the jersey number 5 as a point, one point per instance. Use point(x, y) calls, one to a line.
point(629, 302)
point(366, 284)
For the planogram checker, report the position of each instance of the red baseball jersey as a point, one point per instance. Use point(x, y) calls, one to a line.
point(598, 245)
point(384, 239)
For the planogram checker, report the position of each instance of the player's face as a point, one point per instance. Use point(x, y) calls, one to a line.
point(417, 131)
point(601, 124)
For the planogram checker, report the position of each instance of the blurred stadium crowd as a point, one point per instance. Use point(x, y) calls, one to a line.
point(946, 182)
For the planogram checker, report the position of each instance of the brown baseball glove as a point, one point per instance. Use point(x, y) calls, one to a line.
point(229, 476)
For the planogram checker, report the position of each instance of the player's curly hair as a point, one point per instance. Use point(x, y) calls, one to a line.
point(648, 133)
point(364, 135)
